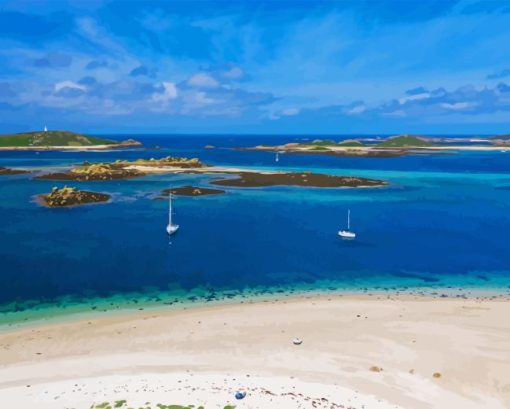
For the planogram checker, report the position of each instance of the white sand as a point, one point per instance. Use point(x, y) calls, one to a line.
point(161, 356)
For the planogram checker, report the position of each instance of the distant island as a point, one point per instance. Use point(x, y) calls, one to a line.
point(60, 140)
point(70, 196)
point(398, 145)
point(122, 169)
point(7, 171)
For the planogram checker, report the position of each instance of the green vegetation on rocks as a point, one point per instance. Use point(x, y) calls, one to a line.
point(405, 141)
point(70, 196)
point(122, 169)
point(57, 138)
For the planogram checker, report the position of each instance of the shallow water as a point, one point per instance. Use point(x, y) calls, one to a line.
point(442, 221)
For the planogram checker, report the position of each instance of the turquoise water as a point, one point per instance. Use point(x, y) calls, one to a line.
point(442, 222)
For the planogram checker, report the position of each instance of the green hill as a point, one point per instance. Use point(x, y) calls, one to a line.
point(52, 138)
point(331, 142)
point(405, 141)
point(350, 142)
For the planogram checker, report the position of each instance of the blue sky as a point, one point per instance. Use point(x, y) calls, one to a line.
point(296, 67)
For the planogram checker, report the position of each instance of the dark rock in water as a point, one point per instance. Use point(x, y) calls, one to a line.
point(191, 191)
point(252, 179)
point(7, 171)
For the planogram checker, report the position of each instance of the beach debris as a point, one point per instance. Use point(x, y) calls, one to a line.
point(436, 375)
point(375, 369)
point(240, 394)
point(297, 341)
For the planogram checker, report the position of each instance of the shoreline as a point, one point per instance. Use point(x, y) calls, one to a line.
point(132, 303)
point(202, 355)
point(64, 148)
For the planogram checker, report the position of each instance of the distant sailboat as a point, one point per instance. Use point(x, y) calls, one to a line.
point(347, 234)
point(171, 228)
point(45, 129)
point(277, 158)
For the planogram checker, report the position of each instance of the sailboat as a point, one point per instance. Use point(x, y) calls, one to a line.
point(277, 158)
point(347, 234)
point(171, 228)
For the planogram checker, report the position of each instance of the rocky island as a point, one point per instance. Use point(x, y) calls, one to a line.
point(395, 146)
point(253, 179)
point(70, 196)
point(122, 169)
point(60, 140)
point(7, 171)
point(392, 146)
point(190, 191)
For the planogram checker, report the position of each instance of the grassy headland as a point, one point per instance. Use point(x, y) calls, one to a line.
point(57, 139)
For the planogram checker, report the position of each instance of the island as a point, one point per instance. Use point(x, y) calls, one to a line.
point(122, 169)
point(70, 196)
point(190, 191)
point(7, 171)
point(253, 179)
point(60, 140)
point(398, 145)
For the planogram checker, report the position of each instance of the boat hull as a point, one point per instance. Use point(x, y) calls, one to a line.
point(347, 234)
point(172, 228)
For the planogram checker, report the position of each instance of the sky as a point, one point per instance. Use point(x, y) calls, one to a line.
point(256, 67)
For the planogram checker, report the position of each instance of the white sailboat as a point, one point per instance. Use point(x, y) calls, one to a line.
point(171, 228)
point(277, 158)
point(347, 234)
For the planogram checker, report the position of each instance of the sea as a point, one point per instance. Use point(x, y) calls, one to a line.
point(443, 222)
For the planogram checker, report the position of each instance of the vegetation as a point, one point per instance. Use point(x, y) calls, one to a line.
point(405, 141)
point(330, 142)
point(121, 169)
point(56, 138)
point(70, 196)
point(350, 142)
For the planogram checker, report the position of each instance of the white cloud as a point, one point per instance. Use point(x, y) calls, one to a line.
point(169, 92)
point(203, 80)
point(290, 111)
point(415, 97)
point(358, 109)
point(457, 105)
point(69, 84)
point(234, 73)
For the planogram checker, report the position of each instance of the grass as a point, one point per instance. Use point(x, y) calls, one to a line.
point(51, 138)
point(405, 141)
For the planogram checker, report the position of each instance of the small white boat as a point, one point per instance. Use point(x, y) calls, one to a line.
point(347, 234)
point(171, 228)
point(297, 341)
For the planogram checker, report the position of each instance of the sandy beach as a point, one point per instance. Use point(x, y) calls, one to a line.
point(358, 351)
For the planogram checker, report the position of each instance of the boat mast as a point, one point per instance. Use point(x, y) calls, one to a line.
point(170, 209)
point(349, 219)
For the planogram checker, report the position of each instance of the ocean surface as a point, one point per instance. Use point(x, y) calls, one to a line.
point(443, 222)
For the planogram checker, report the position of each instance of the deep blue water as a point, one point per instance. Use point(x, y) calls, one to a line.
point(444, 220)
